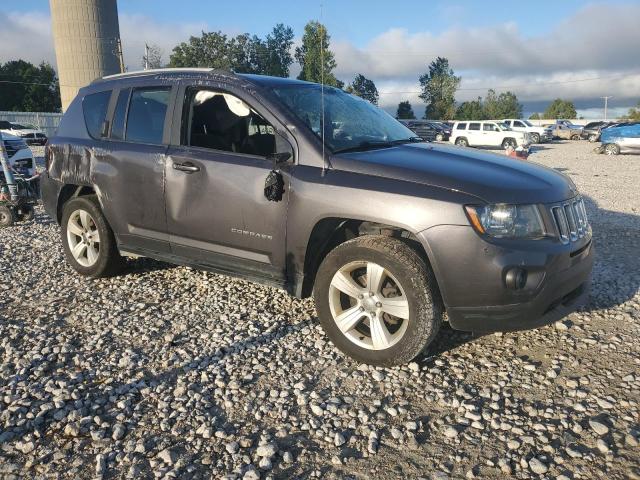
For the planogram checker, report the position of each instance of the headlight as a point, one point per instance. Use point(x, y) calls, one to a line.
point(506, 221)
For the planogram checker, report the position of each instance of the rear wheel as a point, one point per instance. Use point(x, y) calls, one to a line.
point(439, 137)
point(462, 142)
point(575, 137)
point(509, 142)
point(377, 300)
point(89, 243)
point(611, 149)
point(7, 217)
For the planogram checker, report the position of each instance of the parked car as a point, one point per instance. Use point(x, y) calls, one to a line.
point(35, 138)
point(486, 134)
point(239, 174)
point(536, 134)
point(19, 154)
point(563, 129)
point(423, 129)
point(444, 131)
point(591, 131)
point(621, 138)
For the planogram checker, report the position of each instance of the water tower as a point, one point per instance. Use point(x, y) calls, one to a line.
point(86, 36)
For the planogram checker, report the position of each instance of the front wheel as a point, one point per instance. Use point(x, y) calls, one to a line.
point(612, 149)
point(575, 137)
point(593, 138)
point(535, 138)
point(89, 244)
point(377, 300)
point(7, 217)
point(439, 137)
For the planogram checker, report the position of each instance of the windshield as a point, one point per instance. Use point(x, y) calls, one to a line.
point(350, 122)
point(504, 126)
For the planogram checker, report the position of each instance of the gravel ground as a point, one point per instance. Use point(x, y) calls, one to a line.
point(168, 371)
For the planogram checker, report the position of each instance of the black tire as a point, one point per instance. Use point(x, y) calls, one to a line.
point(509, 142)
point(419, 286)
point(7, 217)
point(593, 138)
point(109, 261)
point(27, 213)
point(439, 137)
point(611, 149)
point(462, 142)
point(535, 138)
point(575, 137)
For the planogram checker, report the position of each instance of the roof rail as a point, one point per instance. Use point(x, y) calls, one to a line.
point(143, 73)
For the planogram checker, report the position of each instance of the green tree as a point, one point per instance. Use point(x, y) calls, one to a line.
point(560, 109)
point(405, 111)
point(634, 113)
point(505, 105)
point(364, 88)
point(25, 87)
point(278, 46)
point(439, 87)
point(243, 53)
point(471, 110)
point(315, 57)
point(534, 116)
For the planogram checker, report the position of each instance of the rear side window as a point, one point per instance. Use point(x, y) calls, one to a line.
point(94, 108)
point(120, 115)
point(474, 126)
point(461, 126)
point(147, 112)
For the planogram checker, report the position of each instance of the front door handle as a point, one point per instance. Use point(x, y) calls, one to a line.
point(186, 167)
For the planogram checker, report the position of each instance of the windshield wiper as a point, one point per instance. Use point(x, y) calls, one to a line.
point(408, 140)
point(364, 146)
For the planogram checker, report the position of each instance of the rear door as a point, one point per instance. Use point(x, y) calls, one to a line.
point(217, 212)
point(474, 134)
point(491, 134)
point(130, 175)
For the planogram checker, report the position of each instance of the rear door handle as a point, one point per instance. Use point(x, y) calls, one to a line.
point(186, 167)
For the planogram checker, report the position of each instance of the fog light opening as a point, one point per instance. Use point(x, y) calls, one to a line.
point(515, 278)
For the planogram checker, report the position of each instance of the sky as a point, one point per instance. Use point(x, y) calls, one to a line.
point(570, 49)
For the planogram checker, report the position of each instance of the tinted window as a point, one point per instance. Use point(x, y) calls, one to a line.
point(474, 126)
point(120, 115)
point(94, 107)
point(147, 111)
point(461, 126)
point(517, 124)
point(222, 121)
point(489, 127)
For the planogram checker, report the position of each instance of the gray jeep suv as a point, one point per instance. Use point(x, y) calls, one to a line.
point(318, 192)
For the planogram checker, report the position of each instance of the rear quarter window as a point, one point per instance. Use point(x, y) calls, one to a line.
point(94, 108)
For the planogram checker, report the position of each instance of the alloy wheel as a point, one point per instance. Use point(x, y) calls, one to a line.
point(369, 305)
point(83, 238)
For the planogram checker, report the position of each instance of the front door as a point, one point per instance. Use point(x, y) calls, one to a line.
point(217, 212)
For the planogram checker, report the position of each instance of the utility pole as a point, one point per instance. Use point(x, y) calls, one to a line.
point(606, 99)
point(146, 56)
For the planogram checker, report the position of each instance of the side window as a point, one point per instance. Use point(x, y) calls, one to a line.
point(518, 124)
point(147, 112)
point(222, 121)
point(461, 126)
point(474, 126)
point(489, 127)
point(120, 115)
point(94, 108)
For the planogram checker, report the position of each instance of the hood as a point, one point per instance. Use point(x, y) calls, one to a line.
point(494, 178)
point(8, 136)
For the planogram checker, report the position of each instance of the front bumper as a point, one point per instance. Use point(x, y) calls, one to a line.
point(471, 277)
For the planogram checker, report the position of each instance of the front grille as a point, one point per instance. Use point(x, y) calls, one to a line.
point(571, 220)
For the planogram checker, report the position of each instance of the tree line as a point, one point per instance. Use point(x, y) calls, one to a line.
point(27, 87)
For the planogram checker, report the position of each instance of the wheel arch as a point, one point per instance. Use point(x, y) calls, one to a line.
point(69, 191)
point(330, 232)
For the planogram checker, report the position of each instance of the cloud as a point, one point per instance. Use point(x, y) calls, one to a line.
point(26, 36)
point(598, 41)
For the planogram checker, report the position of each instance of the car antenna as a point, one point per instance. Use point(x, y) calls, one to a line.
point(324, 160)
